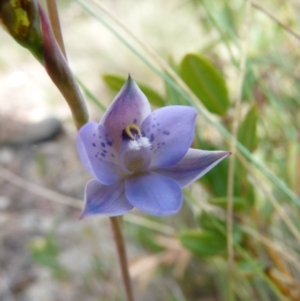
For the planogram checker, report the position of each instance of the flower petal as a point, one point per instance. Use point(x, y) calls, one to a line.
point(97, 153)
point(170, 131)
point(195, 164)
point(154, 194)
point(105, 200)
point(129, 107)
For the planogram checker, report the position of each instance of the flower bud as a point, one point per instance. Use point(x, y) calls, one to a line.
point(21, 19)
point(28, 24)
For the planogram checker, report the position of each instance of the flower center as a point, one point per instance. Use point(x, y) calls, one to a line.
point(136, 142)
point(135, 151)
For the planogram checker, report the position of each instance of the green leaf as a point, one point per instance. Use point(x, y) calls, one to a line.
point(115, 82)
point(211, 222)
point(206, 82)
point(247, 129)
point(204, 243)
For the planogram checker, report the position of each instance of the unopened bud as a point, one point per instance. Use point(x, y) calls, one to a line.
point(21, 19)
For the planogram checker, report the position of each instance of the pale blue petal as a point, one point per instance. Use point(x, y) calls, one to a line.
point(195, 164)
point(97, 153)
point(105, 200)
point(129, 107)
point(154, 194)
point(170, 131)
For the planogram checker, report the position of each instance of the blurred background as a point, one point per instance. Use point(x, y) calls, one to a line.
point(238, 65)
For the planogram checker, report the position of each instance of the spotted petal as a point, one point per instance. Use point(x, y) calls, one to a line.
point(105, 200)
point(170, 131)
point(129, 107)
point(97, 153)
point(154, 194)
point(195, 164)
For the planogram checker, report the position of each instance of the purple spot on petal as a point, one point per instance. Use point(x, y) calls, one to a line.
point(151, 137)
point(113, 155)
point(94, 144)
point(102, 154)
point(103, 144)
point(166, 133)
point(134, 120)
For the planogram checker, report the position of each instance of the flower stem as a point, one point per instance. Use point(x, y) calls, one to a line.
point(80, 119)
point(57, 66)
point(115, 223)
point(55, 24)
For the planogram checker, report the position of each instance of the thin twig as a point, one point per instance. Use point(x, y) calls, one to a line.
point(44, 193)
point(231, 168)
point(147, 223)
point(283, 250)
point(279, 22)
point(115, 223)
point(270, 198)
point(55, 24)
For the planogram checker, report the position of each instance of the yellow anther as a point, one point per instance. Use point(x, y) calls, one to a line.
point(132, 128)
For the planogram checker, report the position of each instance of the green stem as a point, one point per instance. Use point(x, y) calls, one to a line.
point(115, 223)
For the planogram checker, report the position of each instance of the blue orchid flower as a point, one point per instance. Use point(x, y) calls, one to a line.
point(141, 159)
